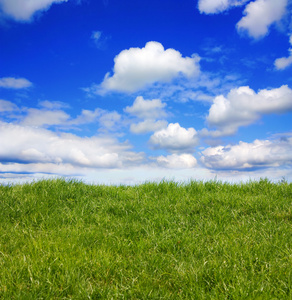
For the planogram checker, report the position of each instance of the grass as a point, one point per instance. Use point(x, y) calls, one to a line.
point(200, 240)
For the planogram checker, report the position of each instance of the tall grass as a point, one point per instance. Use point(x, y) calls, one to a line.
point(201, 240)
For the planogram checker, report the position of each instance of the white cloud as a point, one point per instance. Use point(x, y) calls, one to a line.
point(212, 6)
point(87, 116)
point(260, 15)
point(14, 83)
point(243, 106)
point(28, 145)
point(175, 161)
point(6, 106)
point(52, 115)
point(137, 67)
point(106, 119)
point(39, 118)
point(146, 108)
point(150, 111)
point(23, 10)
point(109, 120)
point(175, 139)
point(258, 154)
point(218, 6)
point(148, 126)
point(284, 62)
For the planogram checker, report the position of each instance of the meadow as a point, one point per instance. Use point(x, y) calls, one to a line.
point(64, 239)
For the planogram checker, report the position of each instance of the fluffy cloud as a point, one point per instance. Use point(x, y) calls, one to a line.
point(28, 145)
point(146, 109)
point(217, 6)
point(260, 15)
point(108, 120)
point(137, 67)
point(243, 106)
point(175, 138)
point(150, 111)
point(259, 154)
point(23, 10)
point(284, 62)
point(148, 126)
point(105, 118)
point(175, 161)
point(14, 83)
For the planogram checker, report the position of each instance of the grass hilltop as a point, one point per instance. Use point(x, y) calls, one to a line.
point(200, 240)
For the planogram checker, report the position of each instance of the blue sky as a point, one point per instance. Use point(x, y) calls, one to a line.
point(124, 92)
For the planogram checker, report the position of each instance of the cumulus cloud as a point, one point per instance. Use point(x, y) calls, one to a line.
point(87, 116)
point(30, 145)
point(148, 126)
point(149, 111)
point(175, 161)
point(144, 109)
point(14, 83)
point(136, 68)
point(106, 119)
point(109, 120)
point(284, 62)
point(243, 106)
point(23, 10)
point(260, 15)
point(258, 154)
point(175, 138)
point(218, 6)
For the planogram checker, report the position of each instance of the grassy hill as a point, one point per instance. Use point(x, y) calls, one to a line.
point(200, 240)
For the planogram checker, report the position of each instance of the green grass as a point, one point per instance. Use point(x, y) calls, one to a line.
point(200, 240)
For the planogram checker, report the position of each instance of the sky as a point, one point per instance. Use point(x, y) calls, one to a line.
point(125, 92)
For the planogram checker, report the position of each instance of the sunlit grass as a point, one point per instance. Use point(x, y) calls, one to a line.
point(201, 240)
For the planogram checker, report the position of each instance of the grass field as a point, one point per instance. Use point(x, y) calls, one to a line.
point(199, 240)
